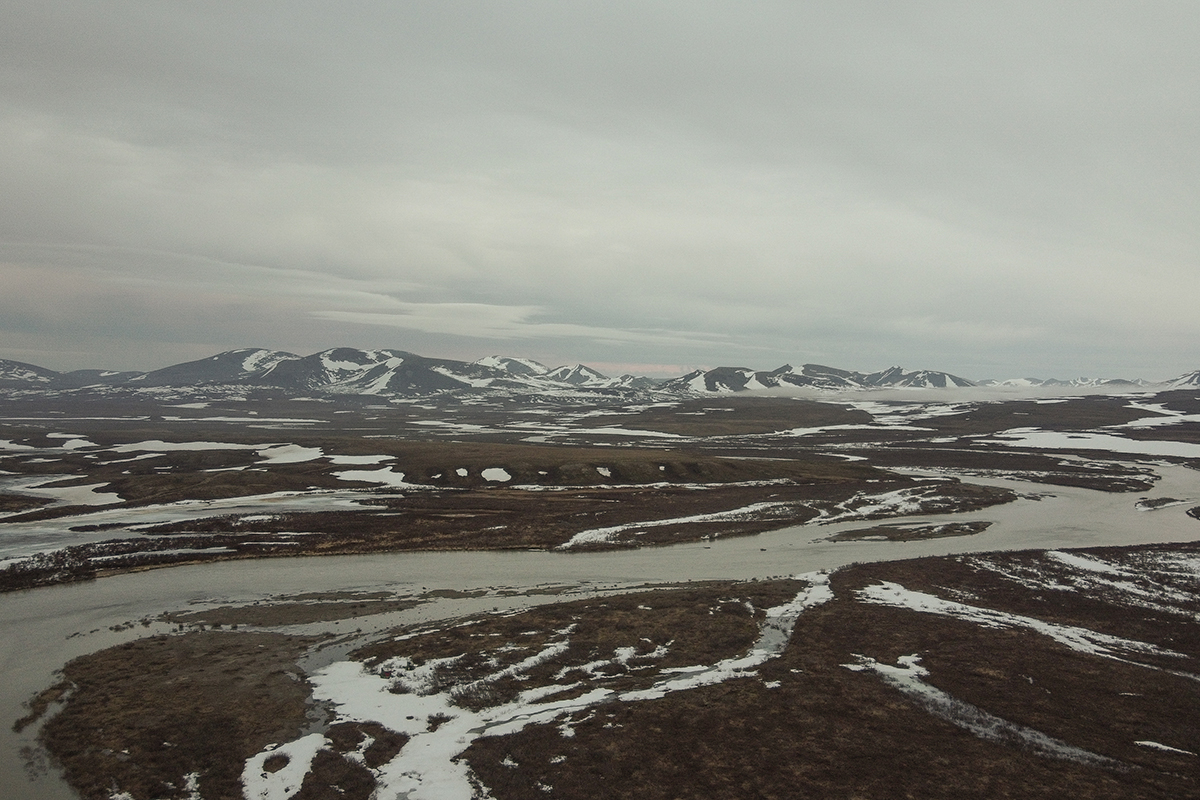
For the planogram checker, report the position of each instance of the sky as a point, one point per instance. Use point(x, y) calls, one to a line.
point(1002, 189)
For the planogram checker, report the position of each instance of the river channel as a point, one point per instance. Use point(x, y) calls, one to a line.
point(42, 629)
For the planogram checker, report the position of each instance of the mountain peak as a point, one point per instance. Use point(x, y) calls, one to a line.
point(517, 366)
point(577, 375)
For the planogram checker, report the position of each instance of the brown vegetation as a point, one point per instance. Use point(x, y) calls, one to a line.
point(146, 714)
point(805, 727)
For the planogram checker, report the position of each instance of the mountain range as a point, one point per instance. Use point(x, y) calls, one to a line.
point(398, 373)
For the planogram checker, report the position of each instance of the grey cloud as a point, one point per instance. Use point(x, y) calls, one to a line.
point(1005, 188)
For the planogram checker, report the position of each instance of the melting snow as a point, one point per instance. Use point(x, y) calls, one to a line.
point(160, 446)
point(752, 512)
point(74, 441)
point(385, 476)
point(496, 474)
point(289, 454)
point(907, 676)
point(1085, 563)
point(1055, 440)
point(87, 495)
point(611, 431)
point(896, 503)
point(1163, 747)
point(1079, 639)
point(426, 768)
point(259, 784)
point(355, 460)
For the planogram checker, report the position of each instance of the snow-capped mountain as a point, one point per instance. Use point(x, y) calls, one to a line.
point(18, 375)
point(515, 366)
point(231, 367)
point(578, 375)
point(1117, 384)
point(813, 376)
point(348, 371)
point(1185, 381)
point(340, 370)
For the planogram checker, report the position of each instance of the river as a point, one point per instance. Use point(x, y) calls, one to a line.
point(42, 629)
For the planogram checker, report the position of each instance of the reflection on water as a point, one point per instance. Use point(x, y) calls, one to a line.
point(39, 629)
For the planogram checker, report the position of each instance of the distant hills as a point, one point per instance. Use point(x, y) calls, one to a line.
point(811, 376)
point(347, 371)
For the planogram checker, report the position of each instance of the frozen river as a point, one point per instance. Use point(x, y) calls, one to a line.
point(41, 629)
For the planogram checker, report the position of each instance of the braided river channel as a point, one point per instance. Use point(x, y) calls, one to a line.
point(42, 629)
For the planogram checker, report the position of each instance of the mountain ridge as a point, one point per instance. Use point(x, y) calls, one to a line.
point(389, 372)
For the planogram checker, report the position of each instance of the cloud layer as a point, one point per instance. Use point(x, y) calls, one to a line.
point(995, 191)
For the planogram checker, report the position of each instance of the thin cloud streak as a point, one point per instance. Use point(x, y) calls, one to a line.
point(506, 323)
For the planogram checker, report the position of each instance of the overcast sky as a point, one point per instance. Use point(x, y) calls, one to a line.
point(994, 189)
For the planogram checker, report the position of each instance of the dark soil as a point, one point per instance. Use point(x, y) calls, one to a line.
point(828, 732)
point(11, 503)
point(696, 625)
point(270, 614)
point(805, 727)
point(911, 533)
point(146, 714)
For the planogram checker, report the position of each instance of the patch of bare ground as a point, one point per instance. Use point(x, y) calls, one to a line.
point(140, 717)
point(662, 629)
point(1151, 504)
point(342, 769)
point(732, 416)
point(219, 474)
point(1180, 432)
point(804, 726)
point(1077, 413)
point(1105, 476)
point(911, 533)
point(11, 503)
point(268, 614)
point(810, 727)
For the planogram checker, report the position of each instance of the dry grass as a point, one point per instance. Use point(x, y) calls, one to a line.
point(828, 732)
point(911, 533)
point(145, 714)
point(806, 727)
point(734, 416)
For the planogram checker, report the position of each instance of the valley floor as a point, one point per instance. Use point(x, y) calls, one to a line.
point(1044, 670)
point(1026, 674)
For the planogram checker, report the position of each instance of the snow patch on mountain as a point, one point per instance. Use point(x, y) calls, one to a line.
point(385, 372)
point(514, 366)
point(578, 375)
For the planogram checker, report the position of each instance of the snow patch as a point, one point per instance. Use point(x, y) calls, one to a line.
point(427, 767)
point(1081, 640)
point(384, 476)
point(908, 675)
point(1163, 747)
point(158, 445)
point(753, 512)
point(289, 454)
point(349, 461)
point(259, 784)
